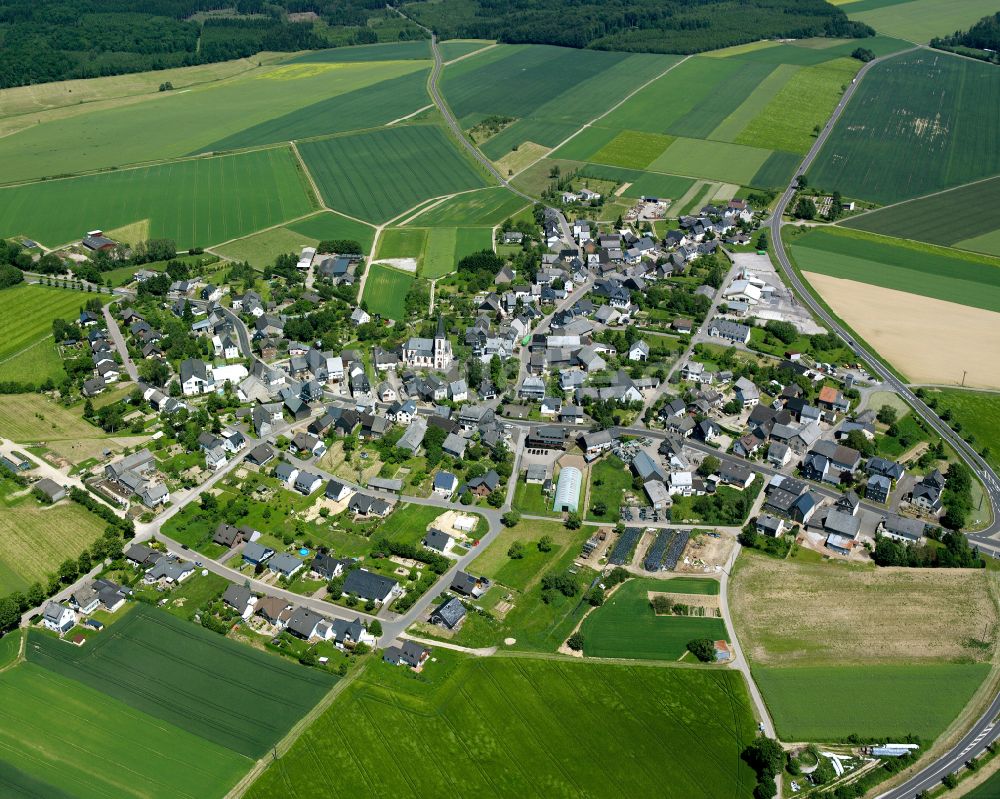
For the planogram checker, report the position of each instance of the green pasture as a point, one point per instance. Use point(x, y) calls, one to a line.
point(918, 123)
point(385, 291)
point(409, 522)
point(402, 242)
point(261, 249)
point(979, 414)
point(715, 160)
point(366, 107)
point(922, 219)
point(805, 100)
point(331, 225)
point(378, 175)
point(987, 790)
point(609, 477)
point(189, 677)
point(263, 105)
point(87, 744)
point(625, 626)
point(632, 149)
point(929, 271)
point(828, 703)
point(196, 202)
point(484, 207)
point(514, 727)
point(27, 350)
point(759, 98)
point(920, 20)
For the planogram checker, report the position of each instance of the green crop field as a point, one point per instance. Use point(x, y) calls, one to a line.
point(225, 692)
point(272, 103)
point(807, 99)
point(385, 291)
point(632, 149)
point(390, 51)
point(456, 48)
point(329, 225)
point(35, 538)
point(979, 414)
point(378, 175)
point(625, 626)
point(366, 107)
point(518, 727)
point(196, 203)
point(83, 743)
point(826, 703)
point(920, 20)
point(918, 123)
point(715, 160)
point(921, 219)
point(987, 790)
point(484, 207)
point(402, 242)
point(950, 275)
point(27, 351)
point(761, 95)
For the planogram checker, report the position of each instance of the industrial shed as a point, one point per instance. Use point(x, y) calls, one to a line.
point(568, 490)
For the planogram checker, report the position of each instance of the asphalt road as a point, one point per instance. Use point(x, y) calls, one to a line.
point(967, 453)
point(982, 734)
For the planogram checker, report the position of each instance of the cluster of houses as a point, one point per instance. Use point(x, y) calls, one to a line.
point(100, 594)
point(134, 477)
point(107, 363)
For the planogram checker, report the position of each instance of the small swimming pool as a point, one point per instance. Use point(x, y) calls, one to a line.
point(303, 552)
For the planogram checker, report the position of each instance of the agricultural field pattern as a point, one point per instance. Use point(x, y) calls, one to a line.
point(540, 399)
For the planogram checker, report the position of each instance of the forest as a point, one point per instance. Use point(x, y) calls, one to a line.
point(981, 41)
point(50, 40)
point(656, 26)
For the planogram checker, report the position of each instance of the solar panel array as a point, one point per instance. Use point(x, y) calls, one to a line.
point(676, 548)
point(625, 546)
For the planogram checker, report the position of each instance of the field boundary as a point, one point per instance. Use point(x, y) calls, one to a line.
point(295, 732)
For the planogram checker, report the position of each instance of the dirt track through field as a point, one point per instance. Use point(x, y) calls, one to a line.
point(928, 340)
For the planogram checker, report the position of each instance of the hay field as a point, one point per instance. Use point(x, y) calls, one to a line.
point(385, 290)
point(497, 727)
point(29, 417)
point(789, 613)
point(928, 340)
point(27, 350)
point(979, 414)
point(261, 249)
point(35, 539)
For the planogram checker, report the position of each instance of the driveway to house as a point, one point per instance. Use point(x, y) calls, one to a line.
point(119, 342)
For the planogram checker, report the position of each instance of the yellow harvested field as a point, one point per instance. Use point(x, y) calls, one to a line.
point(30, 417)
point(792, 613)
point(739, 49)
point(928, 340)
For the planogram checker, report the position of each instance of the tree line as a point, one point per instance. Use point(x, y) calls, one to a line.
point(658, 26)
point(984, 36)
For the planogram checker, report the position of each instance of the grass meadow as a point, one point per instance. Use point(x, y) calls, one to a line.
point(920, 20)
point(31, 417)
point(927, 270)
point(197, 202)
point(920, 219)
point(87, 744)
point(377, 175)
point(625, 626)
point(262, 249)
point(226, 693)
point(507, 727)
point(36, 538)
point(385, 290)
point(979, 414)
point(330, 225)
point(826, 703)
point(830, 666)
point(27, 350)
point(608, 478)
point(918, 123)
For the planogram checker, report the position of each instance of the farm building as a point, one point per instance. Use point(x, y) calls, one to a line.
point(568, 490)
